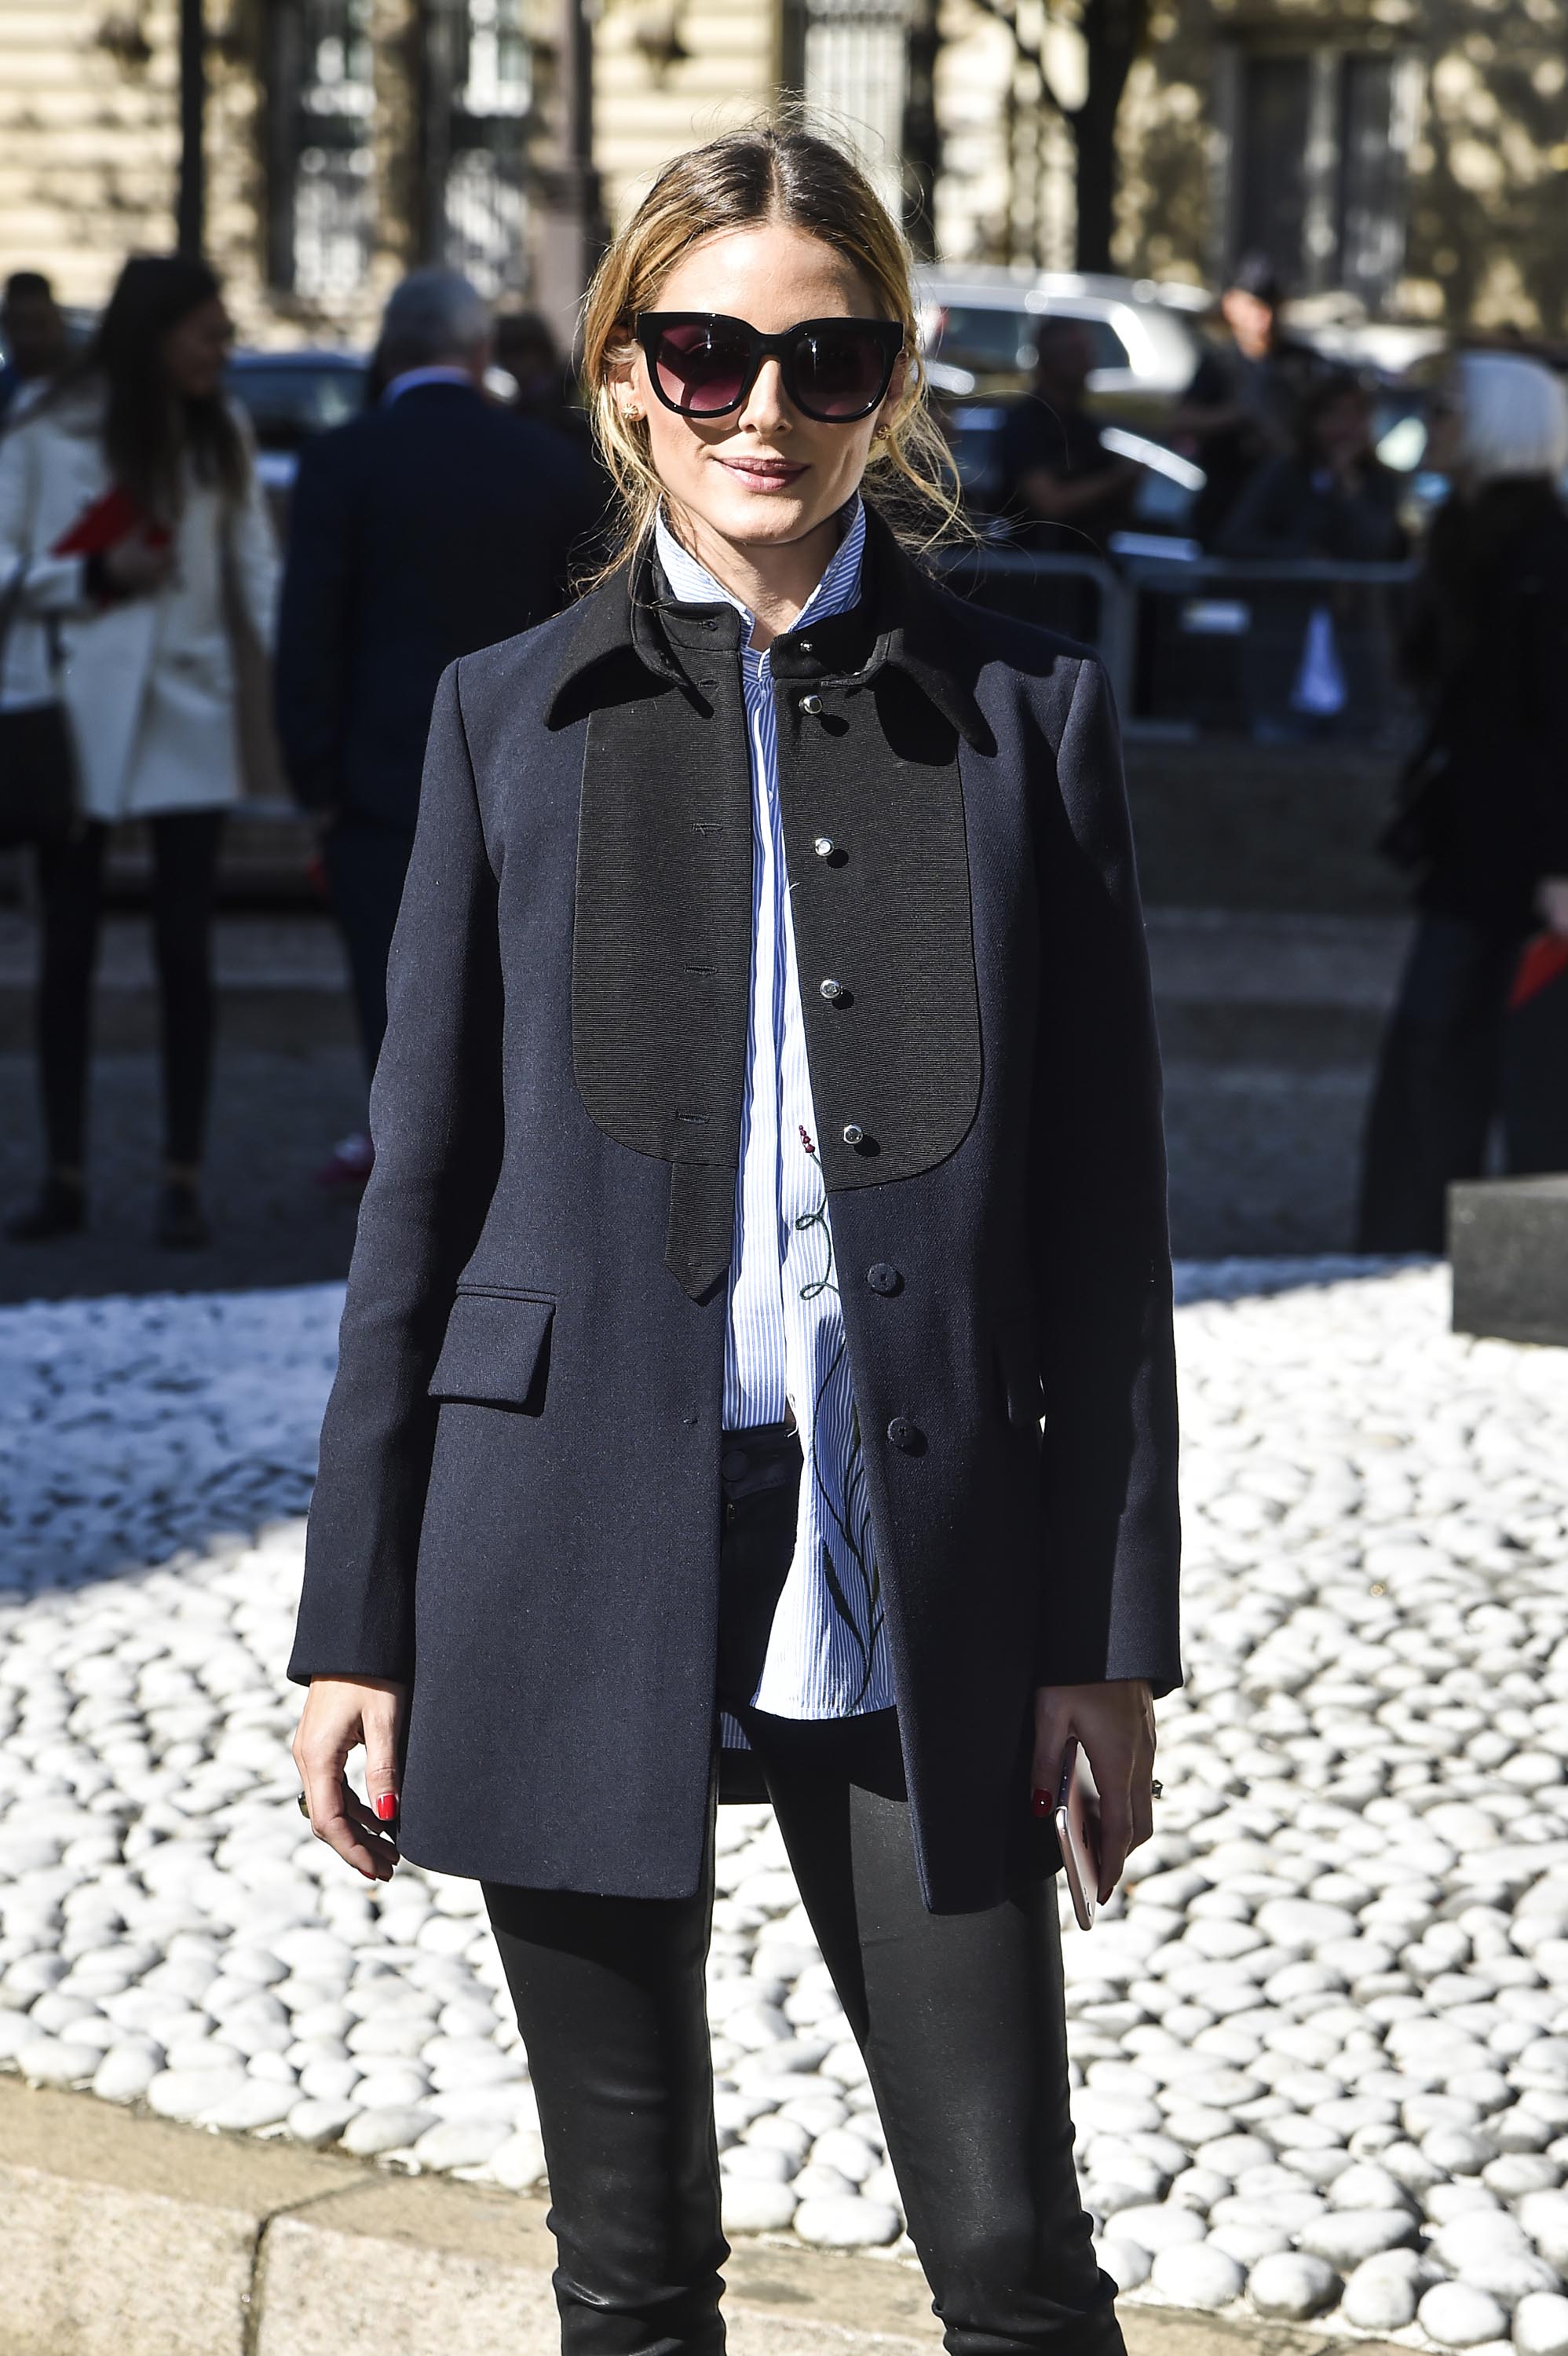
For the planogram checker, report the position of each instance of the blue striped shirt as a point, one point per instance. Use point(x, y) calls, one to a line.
point(828, 1654)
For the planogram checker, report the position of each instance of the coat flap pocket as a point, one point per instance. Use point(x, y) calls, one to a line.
point(496, 1350)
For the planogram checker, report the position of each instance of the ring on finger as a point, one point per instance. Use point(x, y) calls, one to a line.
point(302, 1804)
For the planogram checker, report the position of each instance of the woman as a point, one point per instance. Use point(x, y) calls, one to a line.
point(767, 1130)
point(1483, 815)
point(135, 545)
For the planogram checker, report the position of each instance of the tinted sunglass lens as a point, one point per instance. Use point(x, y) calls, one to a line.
point(838, 372)
point(702, 368)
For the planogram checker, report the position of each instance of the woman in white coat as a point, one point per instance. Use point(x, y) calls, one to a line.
point(135, 554)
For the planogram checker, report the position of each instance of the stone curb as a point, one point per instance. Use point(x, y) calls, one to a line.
point(126, 2236)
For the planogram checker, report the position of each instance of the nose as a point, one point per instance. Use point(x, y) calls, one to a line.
point(766, 407)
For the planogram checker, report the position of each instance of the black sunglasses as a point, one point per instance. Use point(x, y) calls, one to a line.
point(703, 364)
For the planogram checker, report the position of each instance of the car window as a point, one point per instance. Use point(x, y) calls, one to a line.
point(987, 337)
point(289, 403)
point(1109, 350)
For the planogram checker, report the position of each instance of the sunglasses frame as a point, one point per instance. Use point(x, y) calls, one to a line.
point(650, 325)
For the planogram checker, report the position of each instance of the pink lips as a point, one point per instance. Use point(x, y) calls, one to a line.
point(755, 478)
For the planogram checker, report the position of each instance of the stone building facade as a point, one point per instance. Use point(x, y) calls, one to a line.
point(1403, 156)
point(1409, 155)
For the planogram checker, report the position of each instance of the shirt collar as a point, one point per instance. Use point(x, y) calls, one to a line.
point(435, 374)
point(902, 620)
point(691, 584)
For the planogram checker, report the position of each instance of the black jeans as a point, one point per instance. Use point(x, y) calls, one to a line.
point(1439, 1085)
point(366, 866)
point(70, 892)
point(960, 2018)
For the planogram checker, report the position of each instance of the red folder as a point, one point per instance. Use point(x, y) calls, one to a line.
point(109, 520)
point(1542, 959)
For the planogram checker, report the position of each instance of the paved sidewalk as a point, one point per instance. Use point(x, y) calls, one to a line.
point(1269, 1026)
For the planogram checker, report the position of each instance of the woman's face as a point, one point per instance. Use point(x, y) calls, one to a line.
point(195, 350)
point(765, 474)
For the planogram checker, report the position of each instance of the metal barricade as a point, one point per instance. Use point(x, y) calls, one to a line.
point(1278, 650)
point(1274, 649)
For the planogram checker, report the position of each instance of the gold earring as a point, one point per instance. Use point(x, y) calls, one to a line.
point(632, 412)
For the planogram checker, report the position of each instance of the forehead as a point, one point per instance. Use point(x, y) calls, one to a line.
point(772, 275)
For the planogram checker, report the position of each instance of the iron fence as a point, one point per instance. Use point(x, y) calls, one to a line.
point(1281, 650)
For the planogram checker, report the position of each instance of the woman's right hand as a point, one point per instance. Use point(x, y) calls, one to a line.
point(340, 1714)
point(135, 567)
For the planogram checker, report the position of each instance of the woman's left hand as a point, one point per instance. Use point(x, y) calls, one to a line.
point(1114, 1724)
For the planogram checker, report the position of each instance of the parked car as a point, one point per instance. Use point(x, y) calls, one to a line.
point(292, 396)
point(978, 335)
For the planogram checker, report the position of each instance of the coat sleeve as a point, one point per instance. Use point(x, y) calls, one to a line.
point(1106, 1346)
point(40, 583)
point(314, 623)
point(436, 1118)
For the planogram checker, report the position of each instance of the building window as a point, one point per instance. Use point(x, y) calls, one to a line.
point(322, 99)
point(478, 105)
point(1317, 178)
point(850, 57)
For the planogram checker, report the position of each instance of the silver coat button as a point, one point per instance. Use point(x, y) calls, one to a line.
point(853, 1133)
point(812, 703)
point(824, 846)
point(831, 989)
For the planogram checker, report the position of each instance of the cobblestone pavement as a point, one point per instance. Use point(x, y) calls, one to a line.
point(1321, 2045)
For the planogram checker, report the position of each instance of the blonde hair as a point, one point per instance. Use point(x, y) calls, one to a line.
point(766, 172)
point(1514, 417)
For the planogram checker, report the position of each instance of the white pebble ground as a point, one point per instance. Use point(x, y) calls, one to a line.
point(1320, 2046)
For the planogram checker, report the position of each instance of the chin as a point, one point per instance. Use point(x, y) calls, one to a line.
point(765, 521)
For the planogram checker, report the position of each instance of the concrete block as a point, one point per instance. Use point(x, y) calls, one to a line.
point(331, 2279)
point(1508, 1241)
point(126, 2236)
point(88, 2270)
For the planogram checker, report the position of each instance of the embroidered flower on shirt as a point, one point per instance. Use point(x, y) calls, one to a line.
point(850, 1512)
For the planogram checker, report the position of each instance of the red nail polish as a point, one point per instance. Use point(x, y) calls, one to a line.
point(387, 1806)
point(1040, 1803)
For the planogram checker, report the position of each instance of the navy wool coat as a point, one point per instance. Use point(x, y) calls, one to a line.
point(518, 1502)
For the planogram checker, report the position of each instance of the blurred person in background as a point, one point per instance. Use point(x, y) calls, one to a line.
point(526, 348)
point(435, 524)
point(1240, 408)
point(1330, 495)
point(1482, 818)
point(1060, 488)
point(1315, 656)
point(135, 543)
point(33, 330)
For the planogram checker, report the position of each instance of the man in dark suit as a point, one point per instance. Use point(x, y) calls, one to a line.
point(435, 524)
